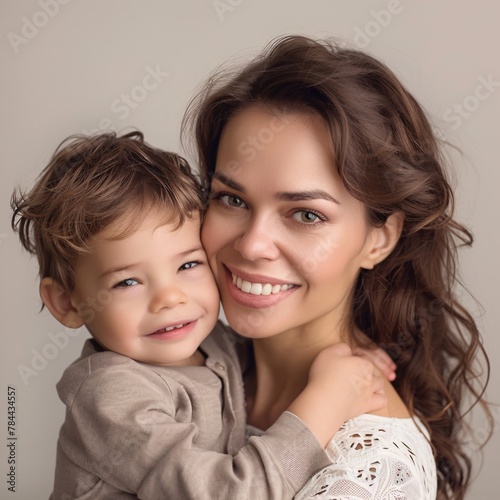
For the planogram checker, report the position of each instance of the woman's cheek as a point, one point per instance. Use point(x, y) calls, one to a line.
point(211, 232)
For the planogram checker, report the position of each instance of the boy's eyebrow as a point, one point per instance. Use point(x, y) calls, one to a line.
point(115, 270)
point(190, 251)
point(313, 194)
point(119, 269)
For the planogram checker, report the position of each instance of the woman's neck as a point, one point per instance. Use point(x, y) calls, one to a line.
point(282, 364)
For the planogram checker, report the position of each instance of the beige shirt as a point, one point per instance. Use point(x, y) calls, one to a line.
point(134, 430)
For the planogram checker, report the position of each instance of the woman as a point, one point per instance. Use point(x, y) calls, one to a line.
point(330, 218)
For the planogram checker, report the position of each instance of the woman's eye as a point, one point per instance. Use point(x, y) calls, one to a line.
point(126, 283)
point(189, 265)
point(307, 217)
point(229, 200)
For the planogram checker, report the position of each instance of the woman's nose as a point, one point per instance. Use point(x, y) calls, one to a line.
point(258, 241)
point(167, 297)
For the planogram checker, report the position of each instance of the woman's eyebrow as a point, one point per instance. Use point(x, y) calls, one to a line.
point(314, 194)
point(229, 182)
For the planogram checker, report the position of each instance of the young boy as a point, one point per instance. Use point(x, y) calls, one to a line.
point(155, 405)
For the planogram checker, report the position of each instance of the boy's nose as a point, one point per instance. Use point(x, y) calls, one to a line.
point(168, 297)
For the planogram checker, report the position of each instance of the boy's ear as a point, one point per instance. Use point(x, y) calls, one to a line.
point(383, 240)
point(58, 302)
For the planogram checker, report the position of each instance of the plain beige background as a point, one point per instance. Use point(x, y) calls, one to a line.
point(75, 66)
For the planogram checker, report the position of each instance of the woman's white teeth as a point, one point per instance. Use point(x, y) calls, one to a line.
point(258, 288)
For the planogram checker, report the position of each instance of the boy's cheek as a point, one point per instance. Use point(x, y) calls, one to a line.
point(87, 313)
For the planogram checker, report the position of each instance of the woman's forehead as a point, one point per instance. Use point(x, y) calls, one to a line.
point(293, 146)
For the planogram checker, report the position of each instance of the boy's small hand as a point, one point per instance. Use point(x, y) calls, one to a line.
point(380, 359)
point(355, 384)
point(341, 386)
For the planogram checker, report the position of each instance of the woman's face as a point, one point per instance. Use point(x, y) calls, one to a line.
point(284, 238)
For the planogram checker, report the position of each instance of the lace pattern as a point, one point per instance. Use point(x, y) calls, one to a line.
point(376, 458)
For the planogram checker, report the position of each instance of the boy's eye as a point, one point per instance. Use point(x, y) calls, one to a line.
point(189, 265)
point(126, 283)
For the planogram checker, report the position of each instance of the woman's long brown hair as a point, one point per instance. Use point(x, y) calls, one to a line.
point(388, 157)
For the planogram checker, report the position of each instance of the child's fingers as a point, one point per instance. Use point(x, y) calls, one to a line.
point(385, 359)
point(367, 380)
point(380, 359)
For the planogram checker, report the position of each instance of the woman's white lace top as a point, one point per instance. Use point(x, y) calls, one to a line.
point(376, 458)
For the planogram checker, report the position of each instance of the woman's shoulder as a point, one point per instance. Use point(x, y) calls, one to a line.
point(373, 434)
point(374, 457)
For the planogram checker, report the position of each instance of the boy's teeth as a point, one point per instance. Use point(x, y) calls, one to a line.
point(170, 328)
point(258, 288)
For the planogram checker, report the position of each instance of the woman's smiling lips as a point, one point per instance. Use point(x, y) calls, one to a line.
point(256, 291)
point(174, 331)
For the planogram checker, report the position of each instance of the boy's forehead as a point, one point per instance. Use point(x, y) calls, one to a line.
point(152, 236)
point(141, 220)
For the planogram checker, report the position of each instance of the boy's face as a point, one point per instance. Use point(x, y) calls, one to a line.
point(150, 296)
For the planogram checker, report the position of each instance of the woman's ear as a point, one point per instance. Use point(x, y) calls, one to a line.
point(58, 302)
point(383, 240)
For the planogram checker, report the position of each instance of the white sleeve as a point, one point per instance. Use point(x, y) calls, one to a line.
point(376, 459)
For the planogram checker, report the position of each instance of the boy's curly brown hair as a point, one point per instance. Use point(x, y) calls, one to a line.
point(92, 182)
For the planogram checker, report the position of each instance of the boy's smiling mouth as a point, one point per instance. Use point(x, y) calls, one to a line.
point(170, 328)
point(174, 331)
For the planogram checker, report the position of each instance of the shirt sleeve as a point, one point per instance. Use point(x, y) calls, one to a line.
point(375, 463)
point(378, 479)
point(131, 440)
